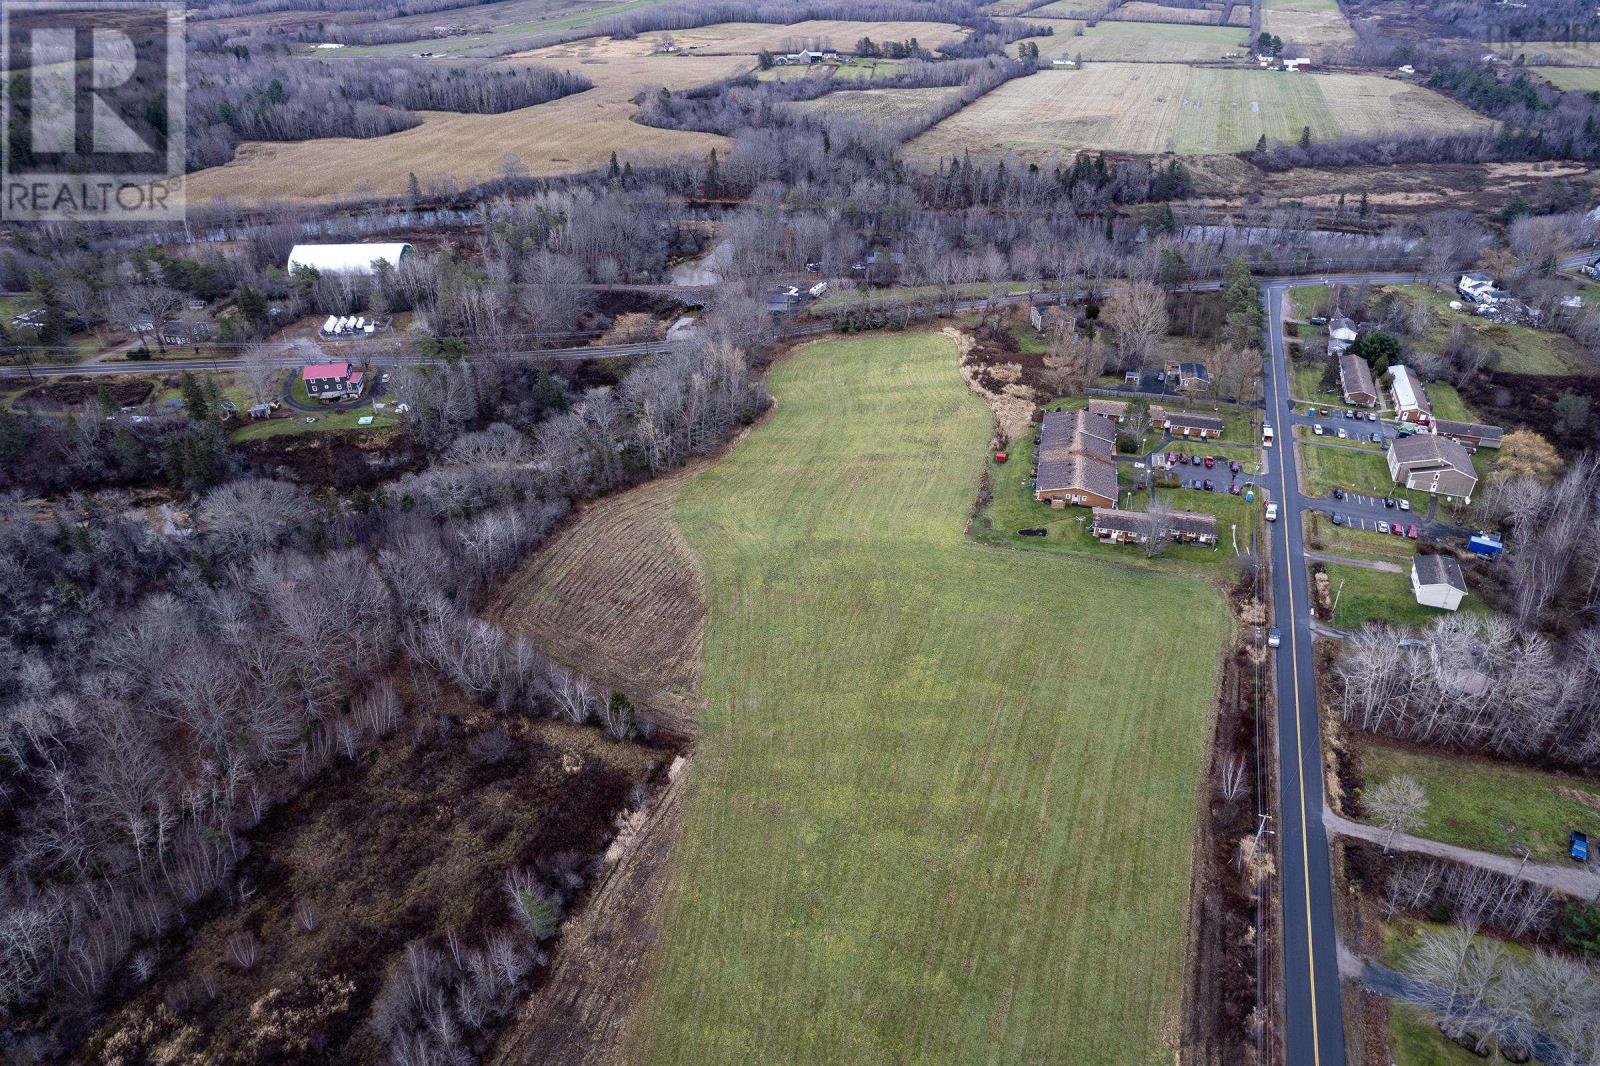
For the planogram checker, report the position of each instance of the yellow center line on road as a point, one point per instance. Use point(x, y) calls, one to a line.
point(1275, 316)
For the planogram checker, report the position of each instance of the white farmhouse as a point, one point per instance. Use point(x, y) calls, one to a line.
point(1436, 581)
point(346, 258)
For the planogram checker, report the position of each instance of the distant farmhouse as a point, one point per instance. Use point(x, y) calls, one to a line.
point(1185, 423)
point(332, 382)
point(346, 258)
point(1133, 527)
point(1410, 402)
point(1437, 581)
point(1355, 381)
point(1077, 460)
point(1432, 464)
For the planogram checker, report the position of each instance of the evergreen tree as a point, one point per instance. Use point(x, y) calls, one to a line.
point(1305, 137)
point(711, 176)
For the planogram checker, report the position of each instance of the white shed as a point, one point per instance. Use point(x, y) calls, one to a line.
point(345, 258)
point(1436, 580)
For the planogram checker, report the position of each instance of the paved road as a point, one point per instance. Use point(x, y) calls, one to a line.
point(1571, 879)
point(1313, 1014)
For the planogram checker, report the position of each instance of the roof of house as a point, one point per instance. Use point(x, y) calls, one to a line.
point(318, 371)
point(1077, 450)
point(345, 258)
point(1477, 278)
point(1407, 392)
point(1186, 418)
point(1429, 448)
point(1439, 570)
point(1191, 523)
point(1108, 408)
point(1451, 428)
point(1339, 322)
point(1356, 375)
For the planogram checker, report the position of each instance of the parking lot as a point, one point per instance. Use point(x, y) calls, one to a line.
point(1223, 475)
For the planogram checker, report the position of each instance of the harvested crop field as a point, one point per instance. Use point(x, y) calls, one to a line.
point(927, 792)
point(617, 595)
point(1305, 24)
point(487, 29)
point(748, 38)
point(1143, 11)
point(571, 134)
point(1152, 108)
point(1148, 42)
point(1572, 79)
point(879, 107)
point(1065, 9)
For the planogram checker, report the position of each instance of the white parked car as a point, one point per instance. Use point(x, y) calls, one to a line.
point(1405, 504)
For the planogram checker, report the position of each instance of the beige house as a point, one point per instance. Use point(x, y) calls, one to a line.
point(1437, 581)
point(1185, 423)
point(1133, 527)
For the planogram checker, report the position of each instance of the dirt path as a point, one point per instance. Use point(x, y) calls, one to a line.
point(1573, 881)
point(1365, 564)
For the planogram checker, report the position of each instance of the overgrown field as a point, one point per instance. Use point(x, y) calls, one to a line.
point(1305, 25)
point(1575, 53)
point(934, 816)
point(1150, 107)
point(878, 107)
point(1143, 41)
point(485, 29)
point(574, 133)
point(1573, 79)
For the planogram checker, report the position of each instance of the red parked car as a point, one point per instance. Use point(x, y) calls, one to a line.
point(1411, 531)
point(1210, 462)
point(1398, 530)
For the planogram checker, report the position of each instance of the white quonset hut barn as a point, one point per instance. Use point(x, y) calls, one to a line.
point(345, 258)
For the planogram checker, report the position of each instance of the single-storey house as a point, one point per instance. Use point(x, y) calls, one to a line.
point(1133, 527)
point(1185, 423)
point(1342, 334)
point(332, 382)
point(1472, 434)
point(1355, 381)
point(1475, 287)
point(1191, 376)
point(1115, 410)
point(1077, 460)
point(1410, 402)
point(346, 258)
point(1436, 581)
point(1430, 463)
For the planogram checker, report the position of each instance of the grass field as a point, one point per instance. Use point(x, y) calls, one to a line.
point(1573, 53)
point(1572, 79)
point(933, 816)
point(489, 28)
point(1522, 349)
point(1307, 25)
point(332, 422)
point(1142, 41)
point(1064, 9)
point(878, 107)
point(1144, 11)
point(573, 133)
point(1491, 806)
point(1378, 596)
point(1323, 535)
point(1414, 1040)
point(1325, 466)
point(1151, 107)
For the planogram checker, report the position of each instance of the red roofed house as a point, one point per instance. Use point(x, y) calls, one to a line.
point(332, 382)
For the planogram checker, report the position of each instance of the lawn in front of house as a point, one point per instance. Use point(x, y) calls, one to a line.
point(928, 791)
point(1322, 535)
point(327, 422)
point(1362, 596)
point(1488, 805)
point(1324, 467)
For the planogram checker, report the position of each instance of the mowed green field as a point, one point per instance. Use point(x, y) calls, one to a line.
point(1573, 79)
point(936, 813)
point(1142, 41)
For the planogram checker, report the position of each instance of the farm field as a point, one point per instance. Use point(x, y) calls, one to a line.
point(1306, 25)
point(1143, 41)
point(914, 842)
point(1064, 9)
point(1491, 806)
point(748, 38)
point(1571, 53)
point(489, 29)
point(1572, 79)
point(879, 107)
point(574, 133)
point(1144, 11)
point(1150, 108)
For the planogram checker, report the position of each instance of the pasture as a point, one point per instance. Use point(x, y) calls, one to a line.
point(1064, 9)
point(1144, 11)
point(933, 815)
point(1573, 79)
point(492, 29)
point(878, 107)
point(1306, 24)
point(1152, 108)
point(574, 133)
point(1150, 42)
point(1568, 53)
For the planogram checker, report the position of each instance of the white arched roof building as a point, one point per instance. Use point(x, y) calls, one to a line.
point(345, 258)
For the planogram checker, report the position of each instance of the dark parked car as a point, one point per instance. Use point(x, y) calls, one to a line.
point(1377, 438)
point(1578, 845)
point(1036, 531)
point(1195, 484)
point(1183, 457)
point(1338, 493)
point(1338, 519)
point(1388, 501)
point(1318, 320)
point(1210, 485)
point(1233, 490)
point(1234, 467)
point(1274, 638)
point(1210, 462)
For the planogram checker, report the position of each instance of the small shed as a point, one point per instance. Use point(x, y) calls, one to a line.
point(1437, 581)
